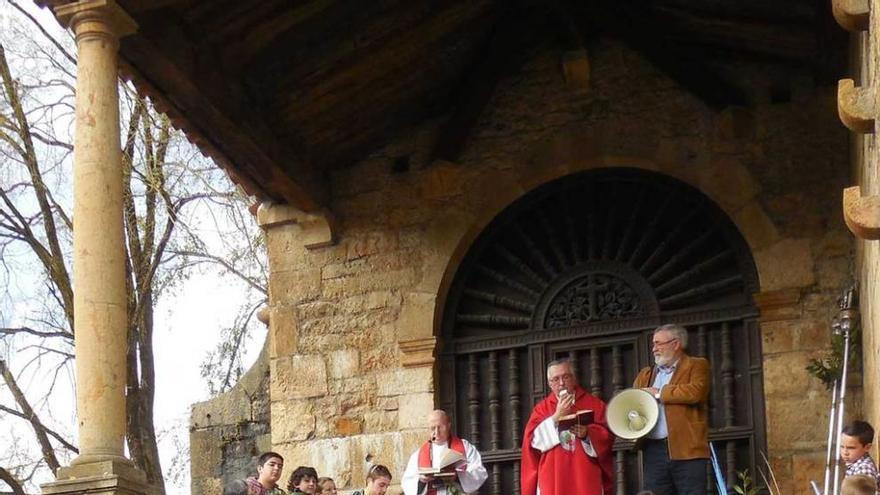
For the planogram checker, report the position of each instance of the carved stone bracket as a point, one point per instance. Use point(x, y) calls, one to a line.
point(861, 213)
point(852, 15)
point(857, 106)
point(417, 353)
point(318, 229)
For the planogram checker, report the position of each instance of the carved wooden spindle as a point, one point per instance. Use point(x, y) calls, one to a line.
point(474, 399)
point(515, 426)
point(496, 479)
point(617, 368)
point(619, 473)
point(516, 473)
point(701, 341)
point(575, 369)
point(731, 464)
point(595, 372)
point(494, 401)
point(727, 375)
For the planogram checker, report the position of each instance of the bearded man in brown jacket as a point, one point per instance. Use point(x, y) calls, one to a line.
point(675, 452)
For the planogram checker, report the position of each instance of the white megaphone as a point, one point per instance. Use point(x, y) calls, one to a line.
point(632, 413)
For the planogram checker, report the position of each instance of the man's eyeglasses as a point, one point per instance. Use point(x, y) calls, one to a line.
point(661, 344)
point(561, 378)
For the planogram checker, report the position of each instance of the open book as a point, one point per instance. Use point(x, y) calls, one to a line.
point(446, 467)
point(582, 417)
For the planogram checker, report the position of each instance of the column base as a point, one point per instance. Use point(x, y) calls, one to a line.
point(104, 477)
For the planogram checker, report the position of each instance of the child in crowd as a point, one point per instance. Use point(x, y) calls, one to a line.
point(326, 486)
point(304, 479)
point(855, 443)
point(237, 487)
point(378, 481)
point(269, 467)
point(858, 485)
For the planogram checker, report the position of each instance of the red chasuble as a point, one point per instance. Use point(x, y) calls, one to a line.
point(425, 460)
point(561, 471)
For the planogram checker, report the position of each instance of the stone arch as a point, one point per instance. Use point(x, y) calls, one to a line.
point(585, 266)
point(728, 184)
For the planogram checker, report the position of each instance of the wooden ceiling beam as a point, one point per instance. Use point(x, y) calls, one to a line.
point(689, 66)
point(791, 42)
point(135, 7)
point(312, 97)
point(188, 80)
point(501, 54)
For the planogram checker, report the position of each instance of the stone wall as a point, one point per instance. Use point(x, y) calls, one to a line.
point(229, 432)
point(867, 175)
point(353, 324)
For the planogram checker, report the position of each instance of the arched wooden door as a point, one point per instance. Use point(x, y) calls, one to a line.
point(586, 267)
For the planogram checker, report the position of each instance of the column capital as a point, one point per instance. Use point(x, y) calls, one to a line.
point(96, 17)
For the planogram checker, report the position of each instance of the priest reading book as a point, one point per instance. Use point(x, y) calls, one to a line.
point(582, 417)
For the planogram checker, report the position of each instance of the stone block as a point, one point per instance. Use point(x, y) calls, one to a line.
point(283, 331)
point(344, 363)
point(778, 336)
point(729, 184)
point(380, 421)
point(292, 420)
point(787, 263)
point(404, 381)
point(414, 410)
point(814, 335)
point(754, 224)
point(806, 467)
point(416, 319)
point(382, 299)
point(295, 286)
point(785, 374)
point(382, 448)
point(333, 456)
point(205, 457)
point(798, 422)
point(442, 180)
point(298, 377)
point(366, 282)
point(345, 427)
point(371, 243)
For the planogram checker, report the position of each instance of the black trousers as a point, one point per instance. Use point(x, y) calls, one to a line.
point(664, 476)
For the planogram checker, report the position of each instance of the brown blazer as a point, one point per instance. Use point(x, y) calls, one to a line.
point(685, 400)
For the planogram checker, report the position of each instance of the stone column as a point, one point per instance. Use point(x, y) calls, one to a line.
point(98, 256)
point(98, 239)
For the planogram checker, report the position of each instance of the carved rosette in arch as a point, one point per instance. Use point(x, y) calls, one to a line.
point(584, 268)
point(594, 292)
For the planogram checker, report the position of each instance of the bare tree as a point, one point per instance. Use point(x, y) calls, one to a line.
point(174, 200)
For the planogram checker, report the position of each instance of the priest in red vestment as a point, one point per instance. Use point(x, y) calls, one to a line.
point(576, 461)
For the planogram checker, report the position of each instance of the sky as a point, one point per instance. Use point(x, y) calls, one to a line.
point(188, 324)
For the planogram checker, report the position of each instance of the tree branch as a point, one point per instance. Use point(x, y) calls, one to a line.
point(31, 331)
point(13, 483)
point(225, 264)
point(39, 429)
point(64, 443)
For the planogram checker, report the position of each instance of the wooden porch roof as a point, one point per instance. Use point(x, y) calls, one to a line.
point(280, 92)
